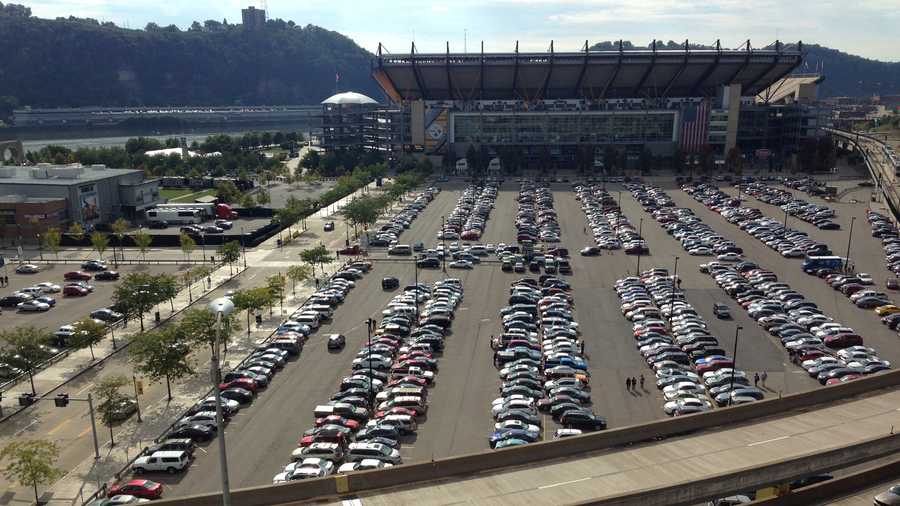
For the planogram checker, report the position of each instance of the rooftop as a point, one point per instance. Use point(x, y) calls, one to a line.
point(349, 97)
point(586, 74)
point(59, 175)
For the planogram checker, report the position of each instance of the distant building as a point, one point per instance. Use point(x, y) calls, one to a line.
point(352, 119)
point(33, 199)
point(253, 18)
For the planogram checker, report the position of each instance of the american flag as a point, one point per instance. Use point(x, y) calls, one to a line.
point(694, 125)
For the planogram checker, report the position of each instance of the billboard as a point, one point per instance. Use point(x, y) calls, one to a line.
point(436, 129)
point(89, 203)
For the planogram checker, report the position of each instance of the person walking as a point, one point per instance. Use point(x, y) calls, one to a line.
point(756, 379)
point(633, 382)
point(763, 377)
point(642, 381)
point(628, 383)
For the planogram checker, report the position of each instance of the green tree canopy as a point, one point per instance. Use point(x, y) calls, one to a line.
point(25, 348)
point(162, 354)
point(87, 332)
point(100, 242)
point(317, 255)
point(30, 463)
point(142, 239)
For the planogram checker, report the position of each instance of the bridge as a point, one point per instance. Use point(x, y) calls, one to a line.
point(684, 460)
point(880, 167)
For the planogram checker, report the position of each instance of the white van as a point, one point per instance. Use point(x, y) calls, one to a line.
point(310, 318)
point(400, 249)
point(168, 461)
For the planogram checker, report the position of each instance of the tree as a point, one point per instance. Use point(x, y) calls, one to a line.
point(77, 231)
point(227, 191)
point(250, 300)
point(52, 239)
point(298, 274)
point(136, 293)
point(87, 332)
point(119, 227)
point(199, 327)
point(162, 354)
point(316, 256)
point(142, 240)
point(25, 349)
point(188, 245)
point(310, 160)
point(363, 211)
point(275, 283)
point(263, 197)
point(110, 400)
point(31, 463)
point(100, 242)
point(247, 201)
point(167, 288)
point(230, 253)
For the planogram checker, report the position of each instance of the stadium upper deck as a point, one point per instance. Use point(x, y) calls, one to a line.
point(586, 74)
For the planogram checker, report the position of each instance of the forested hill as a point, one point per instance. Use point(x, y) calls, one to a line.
point(845, 74)
point(81, 62)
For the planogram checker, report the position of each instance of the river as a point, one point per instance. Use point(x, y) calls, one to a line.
point(34, 140)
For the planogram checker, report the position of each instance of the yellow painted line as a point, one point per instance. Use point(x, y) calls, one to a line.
point(85, 432)
point(54, 430)
point(91, 385)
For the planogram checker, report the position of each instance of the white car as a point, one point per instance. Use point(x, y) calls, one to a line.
point(701, 251)
point(865, 279)
point(308, 468)
point(32, 305)
point(671, 392)
point(672, 407)
point(49, 287)
point(729, 257)
point(460, 264)
point(363, 465)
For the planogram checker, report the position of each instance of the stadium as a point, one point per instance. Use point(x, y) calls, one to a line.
point(550, 105)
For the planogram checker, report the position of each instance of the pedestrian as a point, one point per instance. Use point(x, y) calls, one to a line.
point(582, 348)
point(755, 379)
point(317, 283)
point(763, 377)
point(495, 359)
point(633, 382)
point(628, 383)
point(642, 381)
point(584, 229)
point(337, 254)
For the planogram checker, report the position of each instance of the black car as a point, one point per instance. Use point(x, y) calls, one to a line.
point(106, 276)
point(193, 432)
point(93, 265)
point(173, 445)
point(158, 224)
point(13, 300)
point(106, 315)
point(390, 283)
point(428, 263)
point(584, 420)
point(241, 395)
point(329, 226)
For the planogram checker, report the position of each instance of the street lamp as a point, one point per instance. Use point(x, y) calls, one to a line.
point(737, 332)
point(849, 238)
point(39, 245)
point(641, 248)
point(674, 287)
point(220, 307)
point(443, 245)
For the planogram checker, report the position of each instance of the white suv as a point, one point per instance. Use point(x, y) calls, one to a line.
point(168, 461)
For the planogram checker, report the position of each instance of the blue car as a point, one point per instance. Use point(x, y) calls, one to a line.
point(505, 434)
point(710, 358)
point(573, 362)
point(47, 300)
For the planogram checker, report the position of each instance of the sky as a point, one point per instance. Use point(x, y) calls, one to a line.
point(863, 27)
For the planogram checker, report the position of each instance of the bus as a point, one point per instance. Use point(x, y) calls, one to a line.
point(814, 263)
point(175, 216)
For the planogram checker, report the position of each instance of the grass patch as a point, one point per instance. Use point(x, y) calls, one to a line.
point(191, 196)
point(174, 193)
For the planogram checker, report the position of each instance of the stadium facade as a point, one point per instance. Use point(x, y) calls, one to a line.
point(656, 100)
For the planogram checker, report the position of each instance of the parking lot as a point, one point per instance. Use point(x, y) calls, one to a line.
point(69, 309)
point(459, 420)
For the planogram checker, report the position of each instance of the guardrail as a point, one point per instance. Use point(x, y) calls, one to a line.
point(152, 261)
point(888, 189)
point(466, 465)
point(830, 490)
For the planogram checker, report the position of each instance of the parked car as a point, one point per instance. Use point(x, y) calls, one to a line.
point(77, 276)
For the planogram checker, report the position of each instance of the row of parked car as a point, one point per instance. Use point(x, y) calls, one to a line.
point(788, 242)
point(883, 228)
point(812, 339)
point(596, 203)
point(541, 365)
point(536, 218)
point(38, 297)
point(389, 233)
point(473, 208)
point(818, 215)
point(386, 394)
point(175, 451)
point(689, 364)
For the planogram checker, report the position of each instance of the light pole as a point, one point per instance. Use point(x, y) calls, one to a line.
point(244, 246)
point(737, 332)
point(203, 245)
point(369, 324)
point(849, 239)
point(674, 287)
point(39, 245)
point(443, 245)
point(220, 307)
point(641, 248)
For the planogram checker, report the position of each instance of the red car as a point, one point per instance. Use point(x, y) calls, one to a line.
point(75, 291)
point(422, 382)
point(892, 284)
point(842, 379)
point(144, 489)
point(396, 411)
point(338, 420)
point(337, 437)
point(713, 366)
point(245, 383)
point(77, 275)
point(352, 250)
point(843, 340)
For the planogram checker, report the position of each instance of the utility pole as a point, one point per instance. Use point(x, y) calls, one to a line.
point(221, 306)
point(641, 249)
point(136, 402)
point(737, 331)
point(674, 288)
point(849, 239)
point(443, 245)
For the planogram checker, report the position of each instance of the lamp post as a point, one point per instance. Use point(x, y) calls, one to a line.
point(641, 248)
point(39, 245)
point(737, 332)
point(203, 245)
point(443, 245)
point(849, 239)
point(674, 288)
point(369, 324)
point(220, 307)
point(244, 247)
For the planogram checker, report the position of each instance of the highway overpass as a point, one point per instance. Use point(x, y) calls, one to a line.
point(679, 461)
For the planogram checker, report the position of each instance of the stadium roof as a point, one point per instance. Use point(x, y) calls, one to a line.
point(349, 97)
point(586, 74)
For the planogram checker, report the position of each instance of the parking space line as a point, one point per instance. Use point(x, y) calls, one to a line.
point(564, 483)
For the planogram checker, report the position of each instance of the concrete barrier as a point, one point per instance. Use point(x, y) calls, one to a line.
point(752, 478)
point(456, 467)
point(830, 490)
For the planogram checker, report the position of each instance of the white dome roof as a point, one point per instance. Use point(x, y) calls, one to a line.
point(349, 97)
